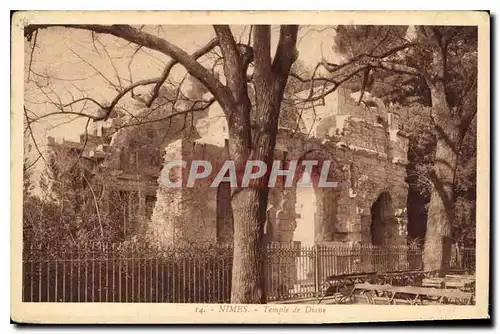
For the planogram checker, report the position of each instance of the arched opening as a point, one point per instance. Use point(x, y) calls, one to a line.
point(326, 219)
point(304, 233)
point(317, 204)
point(383, 221)
point(317, 219)
point(224, 217)
point(305, 208)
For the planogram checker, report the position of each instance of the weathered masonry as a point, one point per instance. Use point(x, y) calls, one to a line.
point(362, 139)
point(368, 206)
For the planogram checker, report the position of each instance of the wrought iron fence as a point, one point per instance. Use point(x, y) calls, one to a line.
point(299, 272)
point(132, 275)
point(195, 275)
point(463, 258)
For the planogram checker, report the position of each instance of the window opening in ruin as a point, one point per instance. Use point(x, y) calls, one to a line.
point(351, 175)
point(305, 208)
point(381, 212)
point(224, 215)
point(150, 204)
point(129, 211)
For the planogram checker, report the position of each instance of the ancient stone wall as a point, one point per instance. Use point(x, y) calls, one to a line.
point(370, 158)
point(369, 155)
point(187, 214)
point(363, 141)
point(367, 206)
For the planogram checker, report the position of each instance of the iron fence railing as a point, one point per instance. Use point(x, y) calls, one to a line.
point(299, 272)
point(113, 275)
point(463, 258)
point(197, 275)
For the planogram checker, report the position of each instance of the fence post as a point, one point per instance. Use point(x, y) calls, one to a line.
point(459, 256)
point(316, 270)
point(267, 278)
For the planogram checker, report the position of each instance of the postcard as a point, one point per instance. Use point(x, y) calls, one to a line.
point(250, 167)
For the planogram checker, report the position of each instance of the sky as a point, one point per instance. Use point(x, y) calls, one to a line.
point(79, 65)
point(71, 59)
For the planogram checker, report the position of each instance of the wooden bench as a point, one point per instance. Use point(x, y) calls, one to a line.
point(408, 294)
point(462, 283)
point(335, 283)
point(402, 277)
point(469, 277)
point(339, 286)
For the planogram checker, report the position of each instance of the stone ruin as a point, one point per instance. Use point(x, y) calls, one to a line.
point(359, 135)
point(368, 206)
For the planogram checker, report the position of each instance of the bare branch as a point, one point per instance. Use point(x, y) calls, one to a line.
point(332, 83)
point(192, 109)
point(222, 94)
point(366, 57)
point(32, 135)
point(111, 61)
point(262, 47)
point(286, 54)
point(33, 163)
point(94, 36)
point(62, 79)
point(395, 67)
point(250, 35)
point(96, 206)
point(124, 92)
point(83, 99)
point(366, 75)
point(80, 154)
point(111, 83)
point(31, 54)
point(233, 66)
point(208, 47)
point(315, 30)
point(129, 67)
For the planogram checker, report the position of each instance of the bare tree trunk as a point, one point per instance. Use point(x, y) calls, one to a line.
point(249, 209)
point(438, 238)
point(437, 247)
point(225, 220)
point(248, 279)
point(250, 204)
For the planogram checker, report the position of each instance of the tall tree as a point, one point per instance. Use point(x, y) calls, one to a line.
point(269, 78)
point(445, 60)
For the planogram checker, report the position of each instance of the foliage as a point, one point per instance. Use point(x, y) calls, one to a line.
point(69, 210)
point(409, 96)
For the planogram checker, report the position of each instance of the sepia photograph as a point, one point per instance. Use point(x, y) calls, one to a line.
point(286, 168)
